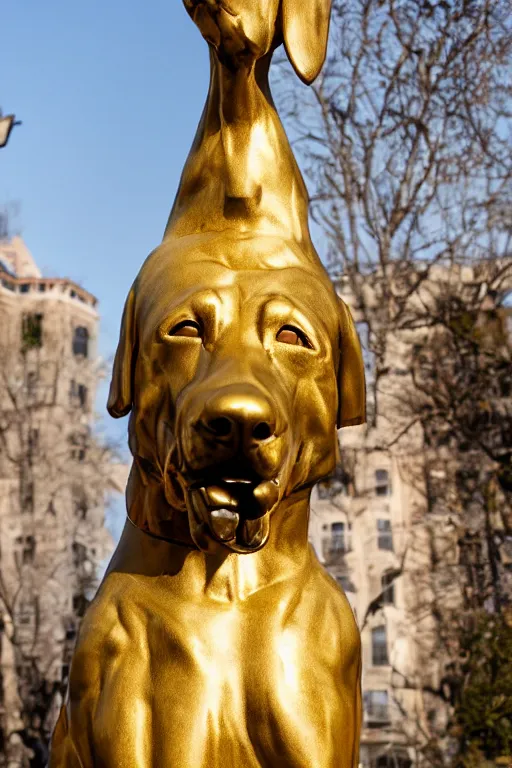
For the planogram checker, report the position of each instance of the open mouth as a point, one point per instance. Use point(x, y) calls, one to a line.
point(233, 503)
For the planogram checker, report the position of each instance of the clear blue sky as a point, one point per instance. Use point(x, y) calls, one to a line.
point(110, 94)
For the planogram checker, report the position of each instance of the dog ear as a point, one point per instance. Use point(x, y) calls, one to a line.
point(120, 395)
point(305, 31)
point(351, 380)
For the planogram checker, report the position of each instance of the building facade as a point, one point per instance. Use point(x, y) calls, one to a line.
point(387, 526)
point(54, 477)
point(358, 528)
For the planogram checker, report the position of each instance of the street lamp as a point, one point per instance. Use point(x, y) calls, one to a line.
point(7, 123)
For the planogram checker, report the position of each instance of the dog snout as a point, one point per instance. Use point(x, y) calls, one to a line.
point(236, 414)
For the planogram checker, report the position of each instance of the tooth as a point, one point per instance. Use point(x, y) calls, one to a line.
point(220, 497)
point(266, 495)
point(224, 523)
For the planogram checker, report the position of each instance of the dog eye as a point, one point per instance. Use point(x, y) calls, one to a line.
point(291, 335)
point(186, 328)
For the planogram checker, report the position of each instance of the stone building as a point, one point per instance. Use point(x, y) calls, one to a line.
point(375, 525)
point(54, 476)
point(358, 527)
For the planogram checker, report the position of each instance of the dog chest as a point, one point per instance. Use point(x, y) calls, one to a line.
point(198, 685)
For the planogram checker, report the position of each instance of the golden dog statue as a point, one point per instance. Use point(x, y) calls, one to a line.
point(216, 638)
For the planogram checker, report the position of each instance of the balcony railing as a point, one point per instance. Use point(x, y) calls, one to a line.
point(377, 713)
point(336, 544)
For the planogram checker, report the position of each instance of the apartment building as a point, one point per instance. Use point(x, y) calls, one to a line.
point(376, 525)
point(358, 527)
point(54, 476)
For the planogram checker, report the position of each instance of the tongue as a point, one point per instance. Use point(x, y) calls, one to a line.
point(224, 523)
point(237, 519)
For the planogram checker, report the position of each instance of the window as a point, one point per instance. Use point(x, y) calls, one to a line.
point(338, 537)
point(25, 611)
point(78, 446)
point(385, 535)
point(77, 394)
point(80, 507)
point(338, 542)
point(26, 495)
point(31, 384)
point(79, 554)
point(393, 760)
point(29, 550)
point(436, 485)
point(82, 395)
point(379, 647)
point(382, 486)
point(376, 707)
point(24, 288)
point(81, 341)
point(338, 484)
point(345, 583)
point(324, 490)
point(32, 332)
point(388, 588)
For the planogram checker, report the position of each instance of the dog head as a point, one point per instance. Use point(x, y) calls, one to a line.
point(242, 34)
point(238, 362)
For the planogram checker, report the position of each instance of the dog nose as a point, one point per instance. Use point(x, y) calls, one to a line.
point(234, 411)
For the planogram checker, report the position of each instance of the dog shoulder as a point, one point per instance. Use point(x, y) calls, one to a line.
point(102, 635)
point(333, 619)
point(106, 629)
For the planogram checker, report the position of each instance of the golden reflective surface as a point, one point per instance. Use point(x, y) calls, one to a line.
point(216, 638)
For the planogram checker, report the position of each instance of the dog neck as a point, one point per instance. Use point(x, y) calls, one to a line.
point(224, 577)
point(241, 171)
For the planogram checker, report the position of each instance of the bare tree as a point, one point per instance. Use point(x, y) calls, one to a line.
point(461, 399)
point(406, 140)
point(54, 479)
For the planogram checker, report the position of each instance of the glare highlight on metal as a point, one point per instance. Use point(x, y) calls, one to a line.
point(217, 639)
